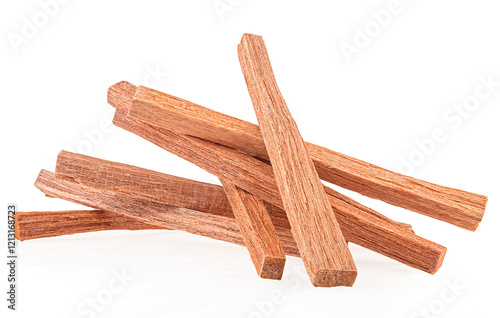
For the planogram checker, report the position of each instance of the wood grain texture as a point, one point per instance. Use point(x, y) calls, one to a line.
point(257, 230)
point(156, 186)
point(40, 224)
point(358, 225)
point(123, 116)
point(320, 241)
point(169, 189)
point(214, 226)
point(151, 185)
point(461, 208)
point(250, 212)
point(120, 92)
point(45, 224)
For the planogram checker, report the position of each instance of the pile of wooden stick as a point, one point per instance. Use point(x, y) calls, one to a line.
point(271, 199)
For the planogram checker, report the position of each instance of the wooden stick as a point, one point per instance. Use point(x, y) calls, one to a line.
point(457, 207)
point(32, 225)
point(357, 224)
point(169, 189)
point(251, 215)
point(128, 90)
point(121, 92)
point(151, 185)
point(257, 230)
point(215, 226)
point(320, 241)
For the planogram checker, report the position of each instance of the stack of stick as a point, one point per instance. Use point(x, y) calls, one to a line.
point(271, 199)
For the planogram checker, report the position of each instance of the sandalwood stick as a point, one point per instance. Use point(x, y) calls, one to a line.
point(260, 237)
point(40, 224)
point(214, 226)
point(322, 247)
point(169, 189)
point(151, 185)
point(357, 224)
point(461, 208)
point(34, 225)
point(257, 230)
point(124, 91)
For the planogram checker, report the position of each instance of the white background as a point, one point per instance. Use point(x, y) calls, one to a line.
point(394, 92)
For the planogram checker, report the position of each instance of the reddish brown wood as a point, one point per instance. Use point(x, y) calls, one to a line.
point(32, 225)
point(161, 215)
point(169, 189)
point(156, 186)
point(257, 230)
point(320, 241)
point(151, 185)
point(156, 214)
point(461, 208)
point(120, 92)
point(357, 225)
point(127, 90)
